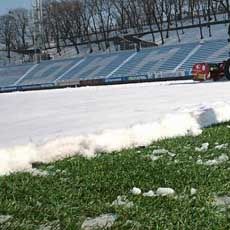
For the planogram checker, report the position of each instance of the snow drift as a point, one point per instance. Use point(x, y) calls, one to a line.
point(186, 121)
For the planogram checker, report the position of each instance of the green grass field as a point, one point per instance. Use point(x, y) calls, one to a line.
point(77, 188)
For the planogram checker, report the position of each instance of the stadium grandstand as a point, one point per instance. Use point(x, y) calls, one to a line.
point(154, 49)
point(149, 64)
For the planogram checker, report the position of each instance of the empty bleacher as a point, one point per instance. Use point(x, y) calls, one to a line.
point(97, 66)
point(114, 65)
point(9, 75)
point(206, 53)
point(150, 60)
point(177, 57)
point(47, 72)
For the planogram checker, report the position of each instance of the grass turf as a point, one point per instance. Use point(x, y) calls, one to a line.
point(78, 188)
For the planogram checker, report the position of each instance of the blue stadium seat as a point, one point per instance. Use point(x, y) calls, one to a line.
point(150, 60)
point(179, 53)
point(48, 71)
point(206, 52)
point(9, 75)
point(97, 66)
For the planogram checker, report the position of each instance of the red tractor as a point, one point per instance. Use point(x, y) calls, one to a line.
point(210, 71)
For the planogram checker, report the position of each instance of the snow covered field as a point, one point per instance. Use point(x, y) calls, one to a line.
point(48, 125)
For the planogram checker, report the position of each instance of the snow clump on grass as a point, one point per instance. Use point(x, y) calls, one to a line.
point(38, 172)
point(165, 192)
point(203, 148)
point(135, 191)
point(5, 218)
point(154, 157)
point(163, 151)
point(223, 146)
point(216, 161)
point(50, 226)
point(158, 153)
point(104, 221)
point(150, 193)
point(193, 191)
point(122, 201)
point(223, 202)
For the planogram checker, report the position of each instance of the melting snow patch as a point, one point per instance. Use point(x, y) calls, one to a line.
point(222, 201)
point(163, 151)
point(150, 193)
point(193, 191)
point(59, 171)
point(218, 160)
point(135, 191)
point(5, 218)
point(154, 158)
point(102, 222)
point(123, 201)
point(188, 121)
point(158, 153)
point(200, 162)
point(165, 192)
point(223, 146)
point(38, 172)
point(203, 148)
point(171, 154)
point(50, 226)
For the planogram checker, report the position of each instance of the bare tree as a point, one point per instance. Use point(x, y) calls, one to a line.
point(147, 7)
point(21, 26)
point(226, 6)
point(7, 33)
point(198, 10)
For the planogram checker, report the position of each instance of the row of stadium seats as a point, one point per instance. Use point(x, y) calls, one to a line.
point(209, 52)
point(10, 75)
point(117, 64)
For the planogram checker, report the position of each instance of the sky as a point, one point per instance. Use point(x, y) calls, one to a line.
point(6, 5)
